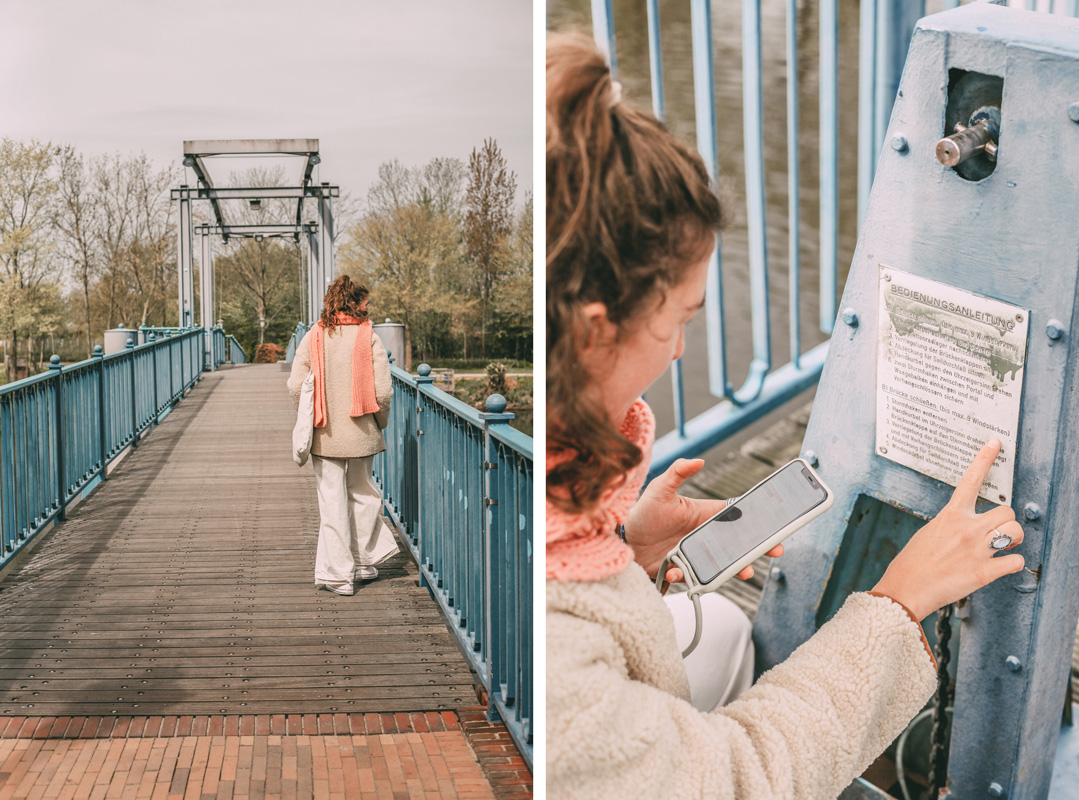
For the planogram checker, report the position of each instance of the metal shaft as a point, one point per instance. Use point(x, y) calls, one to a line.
point(965, 143)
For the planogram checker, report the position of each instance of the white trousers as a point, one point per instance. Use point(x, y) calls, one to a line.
point(350, 525)
point(721, 666)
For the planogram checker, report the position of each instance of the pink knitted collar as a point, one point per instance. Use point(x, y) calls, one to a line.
point(586, 546)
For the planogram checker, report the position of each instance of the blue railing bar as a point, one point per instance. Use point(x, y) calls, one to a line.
point(1071, 8)
point(829, 162)
point(515, 440)
point(951, 4)
point(655, 59)
point(679, 393)
point(793, 215)
point(867, 148)
point(603, 32)
point(726, 418)
point(705, 112)
point(451, 403)
point(1031, 5)
point(753, 125)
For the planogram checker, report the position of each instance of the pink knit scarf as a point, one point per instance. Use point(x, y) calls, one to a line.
point(363, 370)
point(586, 546)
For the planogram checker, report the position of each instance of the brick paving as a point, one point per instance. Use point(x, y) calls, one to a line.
point(385, 756)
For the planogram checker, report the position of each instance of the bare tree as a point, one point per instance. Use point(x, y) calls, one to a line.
point(114, 197)
point(75, 219)
point(488, 220)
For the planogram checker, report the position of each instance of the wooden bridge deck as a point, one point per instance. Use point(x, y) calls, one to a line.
point(184, 585)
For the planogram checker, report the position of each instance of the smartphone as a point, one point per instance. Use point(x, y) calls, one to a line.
point(750, 526)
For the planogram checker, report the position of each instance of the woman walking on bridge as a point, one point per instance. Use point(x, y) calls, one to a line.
point(352, 392)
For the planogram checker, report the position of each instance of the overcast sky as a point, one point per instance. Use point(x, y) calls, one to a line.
point(372, 80)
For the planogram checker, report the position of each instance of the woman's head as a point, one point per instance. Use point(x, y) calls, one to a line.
point(344, 297)
point(631, 223)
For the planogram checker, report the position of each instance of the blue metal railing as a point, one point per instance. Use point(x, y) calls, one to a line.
point(294, 340)
point(236, 353)
point(457, 482)
point(60, 430)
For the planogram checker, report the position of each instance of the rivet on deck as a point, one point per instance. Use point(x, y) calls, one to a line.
point(899, 144)
point(1055, 329)
point(996, 790)
point(1032, 512)
point(850, 317)
point(1013, 663)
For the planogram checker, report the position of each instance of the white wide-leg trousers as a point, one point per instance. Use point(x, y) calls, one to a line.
point(351, 532)
point(721, 666)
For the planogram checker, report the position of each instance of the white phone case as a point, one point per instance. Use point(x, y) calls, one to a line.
point(679, 559)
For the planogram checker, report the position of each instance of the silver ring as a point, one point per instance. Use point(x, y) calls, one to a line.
point(1001, 541)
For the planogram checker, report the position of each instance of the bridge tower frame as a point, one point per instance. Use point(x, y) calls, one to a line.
point(318, 233)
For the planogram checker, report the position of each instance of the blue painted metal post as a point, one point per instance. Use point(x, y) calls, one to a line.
point(57, 371)
point(424, 378)
point(152, 339)
point(938, 253)
point(492, 527)
point(103, 419)
point(134, 394)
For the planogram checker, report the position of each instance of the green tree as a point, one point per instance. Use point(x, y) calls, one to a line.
point(28, 267)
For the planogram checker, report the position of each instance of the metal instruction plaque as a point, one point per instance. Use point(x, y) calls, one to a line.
point(949, 378)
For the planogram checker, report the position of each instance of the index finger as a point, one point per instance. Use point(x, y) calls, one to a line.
point(966, 493)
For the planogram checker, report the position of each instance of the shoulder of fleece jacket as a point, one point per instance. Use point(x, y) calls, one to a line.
point(619, 723)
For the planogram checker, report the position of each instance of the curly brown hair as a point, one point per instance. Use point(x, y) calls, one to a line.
point(343, 297)
point(629, 208)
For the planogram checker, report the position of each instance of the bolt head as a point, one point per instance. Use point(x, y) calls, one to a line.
point(777, 574)
point(1073, 112)
point(1055, 329)
point(1013, 663)
point(996, 790)
point(850, 317)
point(899, 144)
point(811, 457)
point(1032, 511)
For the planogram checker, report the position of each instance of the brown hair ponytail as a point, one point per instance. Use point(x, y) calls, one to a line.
point(629, 207)
point(343, 297)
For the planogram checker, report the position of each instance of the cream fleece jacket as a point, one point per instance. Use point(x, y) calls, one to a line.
point(345, 436)
point(620, 724)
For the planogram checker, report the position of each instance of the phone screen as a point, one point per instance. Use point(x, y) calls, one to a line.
point(756, 516)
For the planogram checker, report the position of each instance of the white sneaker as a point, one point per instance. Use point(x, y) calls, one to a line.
point(345, 589)
point(366, 573)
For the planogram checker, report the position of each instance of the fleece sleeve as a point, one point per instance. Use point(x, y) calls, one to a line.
point(805, 730)
point(301, 368)
point(383, 381)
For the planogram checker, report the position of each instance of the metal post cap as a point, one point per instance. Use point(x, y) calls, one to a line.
point(424, 370)
point(54, 361)
point(496, 404)
point(98, 351)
